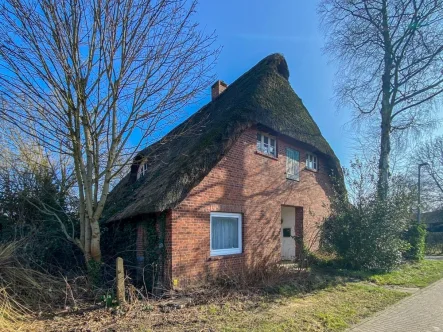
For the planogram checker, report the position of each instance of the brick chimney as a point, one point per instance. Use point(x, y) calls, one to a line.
point(217, 89)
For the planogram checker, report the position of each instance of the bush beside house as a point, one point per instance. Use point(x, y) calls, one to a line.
point(367, 237)
point(416, 237)
point(371, 234)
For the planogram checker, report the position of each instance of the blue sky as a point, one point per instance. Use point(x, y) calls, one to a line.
point(250, 30)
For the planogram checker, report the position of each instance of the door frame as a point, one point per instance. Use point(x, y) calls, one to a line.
point(292, 224)
point(298, 229)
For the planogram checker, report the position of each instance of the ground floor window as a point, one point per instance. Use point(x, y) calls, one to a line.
point(226, 238)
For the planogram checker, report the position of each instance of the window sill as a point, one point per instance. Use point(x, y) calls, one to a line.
point(266, 155)
point(221, 257)
point(290, 179)
point(311, 170)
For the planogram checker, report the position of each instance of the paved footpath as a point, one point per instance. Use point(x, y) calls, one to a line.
point(420, 312)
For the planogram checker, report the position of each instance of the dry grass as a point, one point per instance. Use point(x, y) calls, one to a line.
point(12, 313)
point(23, 291)
point(261, 277)
point(330, 309)
point(278, 298)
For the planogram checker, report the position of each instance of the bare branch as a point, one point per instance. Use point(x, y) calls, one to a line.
point(103, 78)
point(390, 54)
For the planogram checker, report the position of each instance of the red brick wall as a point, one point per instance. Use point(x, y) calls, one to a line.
point(256, 186)
point(299, 233)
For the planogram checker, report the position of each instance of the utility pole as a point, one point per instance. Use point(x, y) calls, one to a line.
point(419, 191)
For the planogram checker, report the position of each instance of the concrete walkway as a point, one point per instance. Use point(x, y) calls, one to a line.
point(421, 312)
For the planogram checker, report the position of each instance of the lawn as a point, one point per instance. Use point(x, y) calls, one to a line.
point(334, 302)
point(412, 275)
point(332, 309)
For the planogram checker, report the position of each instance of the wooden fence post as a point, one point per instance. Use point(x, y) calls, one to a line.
point(120, 280)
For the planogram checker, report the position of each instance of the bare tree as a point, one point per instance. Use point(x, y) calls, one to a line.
point(430, 152)
point(390, 55)
point(95, 79)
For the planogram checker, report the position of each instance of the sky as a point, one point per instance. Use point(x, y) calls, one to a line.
point(250, 30)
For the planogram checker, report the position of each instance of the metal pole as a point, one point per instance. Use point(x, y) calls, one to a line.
point(419, 196)
point(419, 191)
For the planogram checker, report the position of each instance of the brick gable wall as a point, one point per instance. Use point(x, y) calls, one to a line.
point(256, 186)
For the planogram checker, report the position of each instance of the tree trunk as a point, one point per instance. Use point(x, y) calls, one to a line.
point(96, 253)
point(386, 109)
point(385, 150)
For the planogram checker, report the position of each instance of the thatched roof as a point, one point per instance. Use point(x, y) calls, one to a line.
point(177, 163)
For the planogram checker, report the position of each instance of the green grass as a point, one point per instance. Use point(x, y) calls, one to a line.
point(419, 274)
point(331, 309)
point(411, 275)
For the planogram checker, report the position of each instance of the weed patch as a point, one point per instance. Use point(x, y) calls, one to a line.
point(317, 300)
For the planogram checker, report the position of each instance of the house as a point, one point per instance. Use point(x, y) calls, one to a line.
point(433, 220)
point(231, 187)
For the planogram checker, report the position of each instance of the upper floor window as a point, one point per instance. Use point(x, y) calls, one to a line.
point(142, 170)
point(311, 162)
point(292, 164)
point(266, 144)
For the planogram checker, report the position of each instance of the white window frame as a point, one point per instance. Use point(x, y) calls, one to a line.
point(262, 144)
point(311, 162)
point(231, 251)
point(142, 170)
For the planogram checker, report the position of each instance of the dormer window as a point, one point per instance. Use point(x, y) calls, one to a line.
point(311, 162)
point(142, 170)
point(266, 144)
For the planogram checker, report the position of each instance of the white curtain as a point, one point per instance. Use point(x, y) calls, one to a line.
point(224, 233)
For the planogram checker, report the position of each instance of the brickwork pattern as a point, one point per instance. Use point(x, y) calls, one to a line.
point(256, 186)
point(299, 215)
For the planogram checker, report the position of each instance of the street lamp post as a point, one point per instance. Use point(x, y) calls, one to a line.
point(419, 189)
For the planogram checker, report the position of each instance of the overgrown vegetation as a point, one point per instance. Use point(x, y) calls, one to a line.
point(416, 237)
point(120, 240)
point(22, 289)
point(33, 204)
point(370, 233)
point(320, 300)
